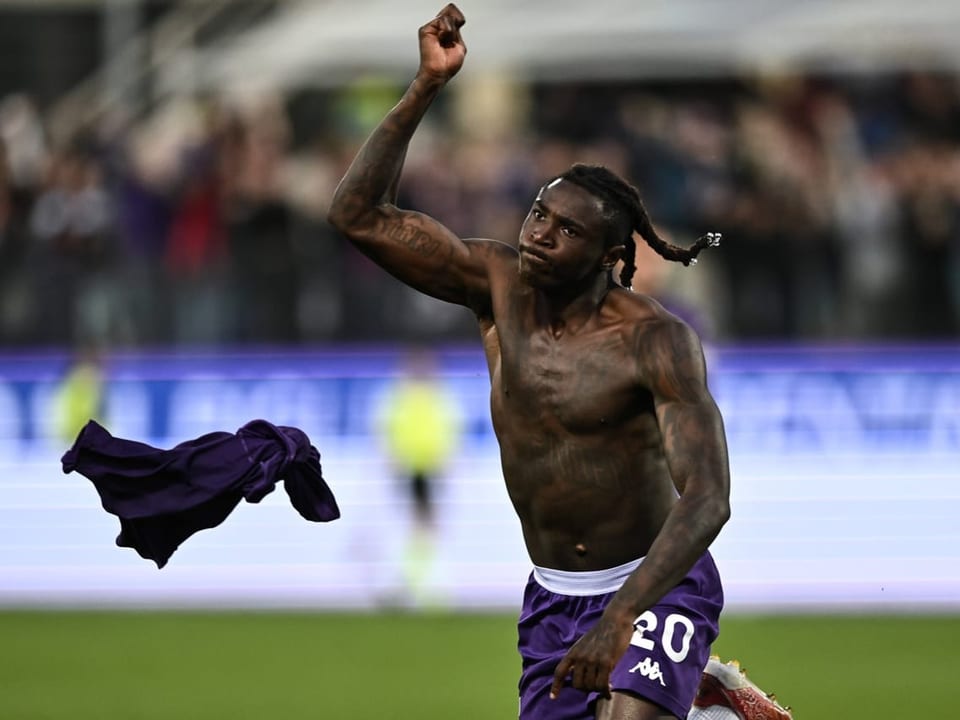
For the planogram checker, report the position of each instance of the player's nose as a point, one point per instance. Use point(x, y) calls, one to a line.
point(541, 235)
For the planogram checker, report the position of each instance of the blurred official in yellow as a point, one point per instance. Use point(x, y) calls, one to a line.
point(420, 425)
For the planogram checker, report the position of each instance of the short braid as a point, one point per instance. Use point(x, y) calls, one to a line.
point(629, 261)
point(618, 197)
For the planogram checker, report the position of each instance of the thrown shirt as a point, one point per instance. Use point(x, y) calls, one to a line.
point(162, 497)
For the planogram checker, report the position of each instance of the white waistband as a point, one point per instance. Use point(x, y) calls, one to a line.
point(588, 582)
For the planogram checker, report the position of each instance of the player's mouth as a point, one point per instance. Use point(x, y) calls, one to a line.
point(536, 258)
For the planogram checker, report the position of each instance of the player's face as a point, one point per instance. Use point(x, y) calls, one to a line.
point(562, 238)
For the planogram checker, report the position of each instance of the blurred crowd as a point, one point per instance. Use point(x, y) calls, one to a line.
point(204, 223)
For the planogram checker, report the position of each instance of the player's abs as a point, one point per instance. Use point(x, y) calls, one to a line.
point(586, 505)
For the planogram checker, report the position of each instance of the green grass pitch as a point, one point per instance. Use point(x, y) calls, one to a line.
point(259, 666)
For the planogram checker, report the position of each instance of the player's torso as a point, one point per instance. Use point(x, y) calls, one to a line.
point(580, 445)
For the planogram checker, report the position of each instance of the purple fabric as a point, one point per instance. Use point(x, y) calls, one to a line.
point(162, 497)
point(668, 676)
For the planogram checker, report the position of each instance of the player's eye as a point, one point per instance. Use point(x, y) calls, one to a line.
point(569, 231)
point(538, 214)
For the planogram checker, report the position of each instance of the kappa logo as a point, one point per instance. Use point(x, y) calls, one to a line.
point(649, 669)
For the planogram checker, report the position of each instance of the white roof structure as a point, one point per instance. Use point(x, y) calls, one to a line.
point(328, 42)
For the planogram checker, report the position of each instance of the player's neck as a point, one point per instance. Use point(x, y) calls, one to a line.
point(568, 310)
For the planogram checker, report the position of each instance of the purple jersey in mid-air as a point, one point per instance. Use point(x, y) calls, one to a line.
point(163, 496)
point(667, 653)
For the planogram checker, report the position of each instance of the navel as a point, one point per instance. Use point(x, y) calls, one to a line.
point(580, 549)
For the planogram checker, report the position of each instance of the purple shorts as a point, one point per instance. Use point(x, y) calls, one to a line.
point(666, 656)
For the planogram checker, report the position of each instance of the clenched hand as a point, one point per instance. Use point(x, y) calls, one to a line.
point(591, 659)
point(442, 49)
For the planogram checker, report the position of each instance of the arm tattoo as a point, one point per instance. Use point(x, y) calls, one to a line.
point(690, 424)
point(373, 175)
point(416, 239)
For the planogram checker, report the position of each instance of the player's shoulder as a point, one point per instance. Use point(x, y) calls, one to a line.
point(495, 259)
point(639, 308)
point(495, 250)
point(498, 258)
point(649, 321)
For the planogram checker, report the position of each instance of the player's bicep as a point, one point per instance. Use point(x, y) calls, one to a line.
point(691, 426)
point(694, 443)
point(423, 253)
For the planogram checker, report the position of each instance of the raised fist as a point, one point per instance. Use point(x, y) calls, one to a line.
point(441, 48)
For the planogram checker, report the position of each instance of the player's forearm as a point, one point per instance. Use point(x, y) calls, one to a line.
point(691, 527)
point(373, 176)
point(393, 189)
point(696, 451)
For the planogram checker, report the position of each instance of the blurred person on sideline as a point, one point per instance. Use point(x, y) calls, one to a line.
point(78, 397)
point(15, 305)
point(420, 425)
point(72, 221)
point(258, 222)
point(196, 250)
point(142, 167)
point(612, 448)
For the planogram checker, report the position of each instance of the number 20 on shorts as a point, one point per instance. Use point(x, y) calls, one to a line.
point(675, 636)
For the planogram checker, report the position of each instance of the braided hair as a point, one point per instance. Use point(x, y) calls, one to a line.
point(622, 200)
